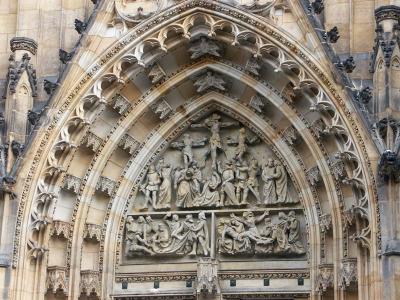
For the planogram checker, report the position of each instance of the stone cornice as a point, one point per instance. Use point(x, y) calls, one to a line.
point(23, 43)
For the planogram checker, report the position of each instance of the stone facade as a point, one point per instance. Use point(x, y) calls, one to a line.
point(199, 149)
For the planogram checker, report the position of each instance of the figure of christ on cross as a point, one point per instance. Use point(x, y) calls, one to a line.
point(214, 124)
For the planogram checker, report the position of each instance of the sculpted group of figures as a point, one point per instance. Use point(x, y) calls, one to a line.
point(229, 184)
point(185, 235)
point(241, 235)
point(168, 236)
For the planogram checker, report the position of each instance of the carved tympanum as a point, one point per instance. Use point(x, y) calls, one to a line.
point(216, 163)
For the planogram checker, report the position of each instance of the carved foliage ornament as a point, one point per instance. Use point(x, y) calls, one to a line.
point(90, 283)
point(57, 280)
point(325, 277)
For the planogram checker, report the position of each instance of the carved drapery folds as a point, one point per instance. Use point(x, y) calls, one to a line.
point(90, 283)
point(228, 155)
point(242, 235)
point(57, 281)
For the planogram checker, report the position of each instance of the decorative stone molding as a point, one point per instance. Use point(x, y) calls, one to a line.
point(72, 183)
point(57, 280)
point(162, 108)
point(128, 143)
point(313, 176)
point(325, 222)
point(23, 43)
point(105, 185)
point(156, 73)
point(272, 274)
point(60, 229)
point(207, 276)
point(90, 283)
point(92, 232)
point(148, 277)
point(92, 141)
point(348, 272)
point(387, 12)
point(325, 277)
point(120, 104)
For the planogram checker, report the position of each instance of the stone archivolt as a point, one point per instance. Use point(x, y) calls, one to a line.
point(148, 181)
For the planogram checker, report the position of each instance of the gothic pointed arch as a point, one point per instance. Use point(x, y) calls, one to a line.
point(204, 150)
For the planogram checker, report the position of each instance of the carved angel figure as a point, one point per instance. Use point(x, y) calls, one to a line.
point(202, 47)
point(209, 80)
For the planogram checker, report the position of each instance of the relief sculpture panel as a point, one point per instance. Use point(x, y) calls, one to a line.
point(217, 190)
point(216, 163)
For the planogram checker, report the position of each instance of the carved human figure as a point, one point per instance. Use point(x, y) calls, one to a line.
point(151, 186)
point(187, 190)
point(294, 241)
point(201, 245)
point(214, 124)
point(210, 195)
point(267, 175)
point(197, 176)
point(231, 241)
point(165, 193)
point(267, 232)
point(241, 143)
point(242, 176)
point(186, 146)
point(227, 186)
point(135, 237)
point(252, 181)
point(149, 229)
point(280, 234)
point(281, 182)
point(252, 232)
point(161, 238)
